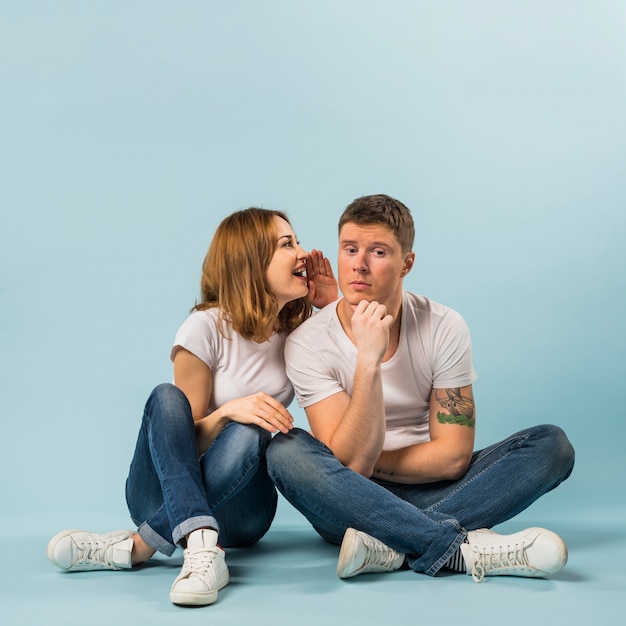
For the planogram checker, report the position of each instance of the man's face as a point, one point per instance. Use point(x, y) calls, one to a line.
point(371, 264)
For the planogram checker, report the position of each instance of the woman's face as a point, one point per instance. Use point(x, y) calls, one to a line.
point(286, 274)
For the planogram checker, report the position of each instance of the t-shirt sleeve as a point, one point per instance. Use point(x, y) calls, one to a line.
point(453, 353)
point(311, 378)
point(198, 334)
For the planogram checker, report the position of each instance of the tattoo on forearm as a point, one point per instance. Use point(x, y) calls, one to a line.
point(460, 408)
point(380, 471)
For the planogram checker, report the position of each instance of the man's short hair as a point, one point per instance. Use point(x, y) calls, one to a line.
point(382, 209)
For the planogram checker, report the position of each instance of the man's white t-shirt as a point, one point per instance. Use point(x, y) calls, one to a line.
point(434, 352)
point(239, 367)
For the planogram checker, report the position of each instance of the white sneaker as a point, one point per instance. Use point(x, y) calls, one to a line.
point(80, 551)
point(533, 552)
point(204, 570)
point(362, 554)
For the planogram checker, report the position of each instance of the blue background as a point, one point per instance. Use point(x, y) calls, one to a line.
point(128, 130)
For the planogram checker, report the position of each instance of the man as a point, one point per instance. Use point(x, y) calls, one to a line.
point(389, 471)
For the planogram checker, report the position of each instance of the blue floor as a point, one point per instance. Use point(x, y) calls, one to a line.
point(289, 578)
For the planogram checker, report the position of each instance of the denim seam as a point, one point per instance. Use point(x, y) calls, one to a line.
point(177, 533)
point(167, 491)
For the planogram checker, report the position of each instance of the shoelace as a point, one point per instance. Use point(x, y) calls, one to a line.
point(95, 553)
point(198, 562)
point(378, 553)
point(498, 558)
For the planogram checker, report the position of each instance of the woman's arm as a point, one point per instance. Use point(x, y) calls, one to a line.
point(193, 377)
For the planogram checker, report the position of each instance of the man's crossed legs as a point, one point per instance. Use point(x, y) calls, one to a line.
point(382, 525)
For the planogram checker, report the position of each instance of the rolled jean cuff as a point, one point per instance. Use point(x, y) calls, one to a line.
point(154, 540)
point(193, 523)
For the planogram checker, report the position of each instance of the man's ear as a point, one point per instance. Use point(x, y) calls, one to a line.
point(409, 260)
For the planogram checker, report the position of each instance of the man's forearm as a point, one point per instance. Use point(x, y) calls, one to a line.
point(421, 463)
point(358, 440)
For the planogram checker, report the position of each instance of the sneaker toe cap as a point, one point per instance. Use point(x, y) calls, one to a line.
point(551, 555)
point(190, 584)
point(192, 591)
point(61, 553)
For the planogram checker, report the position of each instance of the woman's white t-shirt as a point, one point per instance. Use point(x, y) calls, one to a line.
point(239, 367)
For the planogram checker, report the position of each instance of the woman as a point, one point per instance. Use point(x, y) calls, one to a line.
point(199, 469)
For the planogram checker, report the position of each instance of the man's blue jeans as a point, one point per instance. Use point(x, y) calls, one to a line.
point(425, 522)
point(170, 491)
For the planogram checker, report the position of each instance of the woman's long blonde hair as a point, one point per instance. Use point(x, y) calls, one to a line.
point(234, 277)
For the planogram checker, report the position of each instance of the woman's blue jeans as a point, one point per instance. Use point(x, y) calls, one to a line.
point(170, 491)
point(425, 522)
